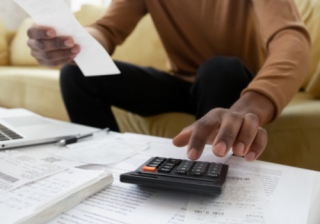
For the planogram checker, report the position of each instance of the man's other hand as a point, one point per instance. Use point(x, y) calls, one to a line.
point(50, 50)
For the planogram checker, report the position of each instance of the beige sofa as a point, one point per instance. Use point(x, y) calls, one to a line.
point(294, 138)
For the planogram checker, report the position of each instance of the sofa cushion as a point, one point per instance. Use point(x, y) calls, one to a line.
point(19, 50)
point(309, 10)
point(89, 14)
point(164, 125)
point(3, 45)
point(34, 88)
point(294, 137)
point(143, 47)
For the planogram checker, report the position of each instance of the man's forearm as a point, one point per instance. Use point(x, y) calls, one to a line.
point(256, 103)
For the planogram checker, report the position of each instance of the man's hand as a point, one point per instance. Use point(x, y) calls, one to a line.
point(50, 50)
point(238, 127)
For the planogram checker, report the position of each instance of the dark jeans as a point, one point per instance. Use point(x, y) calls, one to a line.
point(147, 91)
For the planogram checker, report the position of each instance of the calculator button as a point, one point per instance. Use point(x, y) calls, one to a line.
point(181, 171)
point(187, 163)
point(161, 158)
point(184, 167)
point(164, 170)
point(152, 165)
point(174, 161)
point(215, 167)
point(197, 173)
point(155, 163)
point(169, 164)
point(149, 169)
point(215, 175)
point(158, 160)
point(198, 170)
point(167, 167)
point(202, 164)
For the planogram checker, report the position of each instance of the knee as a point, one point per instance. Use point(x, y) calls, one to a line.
point(220, 69)
point(69, 74)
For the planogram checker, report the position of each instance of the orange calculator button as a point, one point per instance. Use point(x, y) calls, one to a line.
point(149, 168)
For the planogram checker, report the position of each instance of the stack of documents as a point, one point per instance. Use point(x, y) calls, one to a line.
point(40, 201)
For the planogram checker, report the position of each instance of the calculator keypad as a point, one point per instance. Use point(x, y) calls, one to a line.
point(183, 167)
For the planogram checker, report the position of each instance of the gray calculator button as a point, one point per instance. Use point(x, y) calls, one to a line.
point(167, 167)
point(153, 165)
point(181, 171)
point(197, 173)
point(215, 175)
point(164, 170)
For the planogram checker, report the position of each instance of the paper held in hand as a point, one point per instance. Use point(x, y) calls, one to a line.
point(93, 59)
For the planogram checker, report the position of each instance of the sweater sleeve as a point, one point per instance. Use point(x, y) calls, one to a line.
point(120, 20)
point(287, 43)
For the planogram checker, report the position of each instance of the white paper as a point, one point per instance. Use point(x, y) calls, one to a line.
point(20, 203)
point(93, 59)
point(242, 201)
point(288, 189)
point(179, 217)
point(125, 203)
point(103, 152)
point(17, 169)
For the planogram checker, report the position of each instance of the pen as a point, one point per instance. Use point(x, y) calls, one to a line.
point(74, 139)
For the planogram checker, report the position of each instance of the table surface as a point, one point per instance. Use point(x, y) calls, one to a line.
point(313, 217)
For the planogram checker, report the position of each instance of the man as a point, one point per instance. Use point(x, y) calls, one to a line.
point(233, 64)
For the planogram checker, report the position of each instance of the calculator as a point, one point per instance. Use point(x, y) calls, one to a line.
point(179, 175)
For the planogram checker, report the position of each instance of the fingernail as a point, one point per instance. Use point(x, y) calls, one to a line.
point(68, 43)
point(192, 153)
point(240, 148)
point(250, 156)
point(50, 33)
point(220, 149)
point(75, 50)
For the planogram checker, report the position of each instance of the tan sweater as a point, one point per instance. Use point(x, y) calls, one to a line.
point(267, 35)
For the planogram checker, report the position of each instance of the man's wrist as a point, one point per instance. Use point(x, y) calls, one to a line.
point(255, 103)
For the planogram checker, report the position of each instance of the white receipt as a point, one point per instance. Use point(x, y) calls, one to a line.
point(93, 59)
point(103, 152)
point(22, 202)
point(18, 169)
point(242, 201)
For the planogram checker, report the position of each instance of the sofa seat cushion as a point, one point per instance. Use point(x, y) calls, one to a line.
point(294, 138)
point(35, 88)
point(164, 125)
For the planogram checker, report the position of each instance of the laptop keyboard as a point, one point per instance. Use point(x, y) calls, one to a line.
point(7, 134)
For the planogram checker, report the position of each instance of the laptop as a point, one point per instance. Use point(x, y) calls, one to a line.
point(20, 127)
